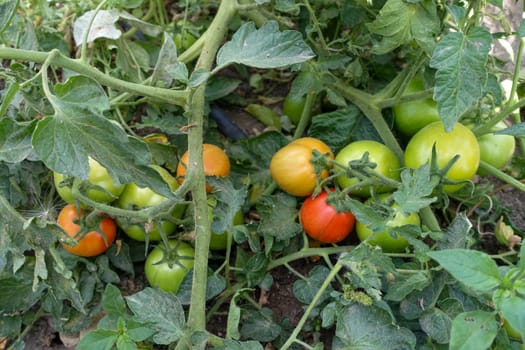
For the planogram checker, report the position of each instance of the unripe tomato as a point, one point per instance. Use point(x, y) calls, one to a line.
point(215, 161)
point(384, 239)
point(496, 150)
point(98, 176)
point(459, 141)
point(293, 108)
point(135, 197)
point(322, 222)
point(386, 162)
point(167, 269)
point(92, 243)
point(291, 167)
point(412, 116)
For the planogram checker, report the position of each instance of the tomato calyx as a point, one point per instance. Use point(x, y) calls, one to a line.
point(171, 255)
point(87, 223)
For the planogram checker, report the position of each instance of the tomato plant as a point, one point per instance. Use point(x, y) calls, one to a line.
point(385, 164)
point(215, 162)
point(496, 150)
point(412, 116)
point(166, 267)
point(292, 169)
point(323, 222)
point(460, 141)
point(219, 240)
point(101, 186)
point(389, 242)
point(293, 107)
point(92, 243)
point(135, 197)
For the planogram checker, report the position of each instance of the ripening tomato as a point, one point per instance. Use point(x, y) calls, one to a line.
point(98, 176)
point(496, 150)
point(291, 167)
point(459, 141)
point(412, 116)
point(166, 268)
point(92, 243)
point(322, 222)
point(387, 165)
point(135, 197)
point(215, 162)
point(384, 239)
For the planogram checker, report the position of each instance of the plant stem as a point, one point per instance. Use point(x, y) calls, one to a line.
point(307, 252)
point(214, 37)
point(311, 306)
point(176, 97)
point(501, 175)
point(306, 115)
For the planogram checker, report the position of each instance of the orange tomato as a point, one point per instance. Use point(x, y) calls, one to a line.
point(291, 167)
point(215, 161)
point(92, 243)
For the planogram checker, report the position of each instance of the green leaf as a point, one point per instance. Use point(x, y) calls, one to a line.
point(473, 330)
point(456, 234)
point(234, 316)
point(278, 216)
point(167, 58)
point(16, 291)
point(7, 11)
point(103, 26)
point(461, 77)
point(100, 339)
point(436, 324)
point(15, 140)
point(265, 47)
point(198, 77)
point(473, 268)
point(404, 284)
point(399, 22)
point(259, 325)
point(416, 187)
point(149, 306)
point(79, 129)
point(305, 290)
point(10, 326)
point(112, 301)
point(336, 128)
point(511, 306)
point(521, 29)
point(517, 130)
point(219, 87)
point(417, 302)
point(229, 202)
point(370, 328)
point(124, 342)
point(239, 345)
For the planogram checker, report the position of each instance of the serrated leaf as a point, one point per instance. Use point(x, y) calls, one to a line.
point(259, 325)
point(461, 77)
point(278, 216)
point(456, 233)
point(229, 202)
point(265, 47)
point(336, 128)
point(473, 330)
point(79, 129)
point(367, 214)
point(436, 324)
point(400, 22)
point(370, 328)
point(416, 187)
point(305, 290)
point(473, 268)
point(417, 302)
point(404, 284)
point(15, 140)
point(150, 305)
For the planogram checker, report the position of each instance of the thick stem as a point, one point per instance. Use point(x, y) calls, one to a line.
point(214, 38)
point(176, 97)
point(501, 175)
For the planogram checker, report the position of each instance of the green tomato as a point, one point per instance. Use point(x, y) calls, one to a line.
point(293, 108)
point(412, 116)
point(384, 239)
point(386, 162)
point(134, 197)
point(167, 269)
point(219, 240)
point(459, 141)
point(496, 150)
point(97, 176)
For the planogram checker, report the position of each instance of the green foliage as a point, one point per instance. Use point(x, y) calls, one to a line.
point(117, 86)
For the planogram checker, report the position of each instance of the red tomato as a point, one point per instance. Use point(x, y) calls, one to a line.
point(92, 243)
point(322, 222)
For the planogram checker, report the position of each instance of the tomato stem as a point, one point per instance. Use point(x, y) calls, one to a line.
point(306, 115)
point(501, 175)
